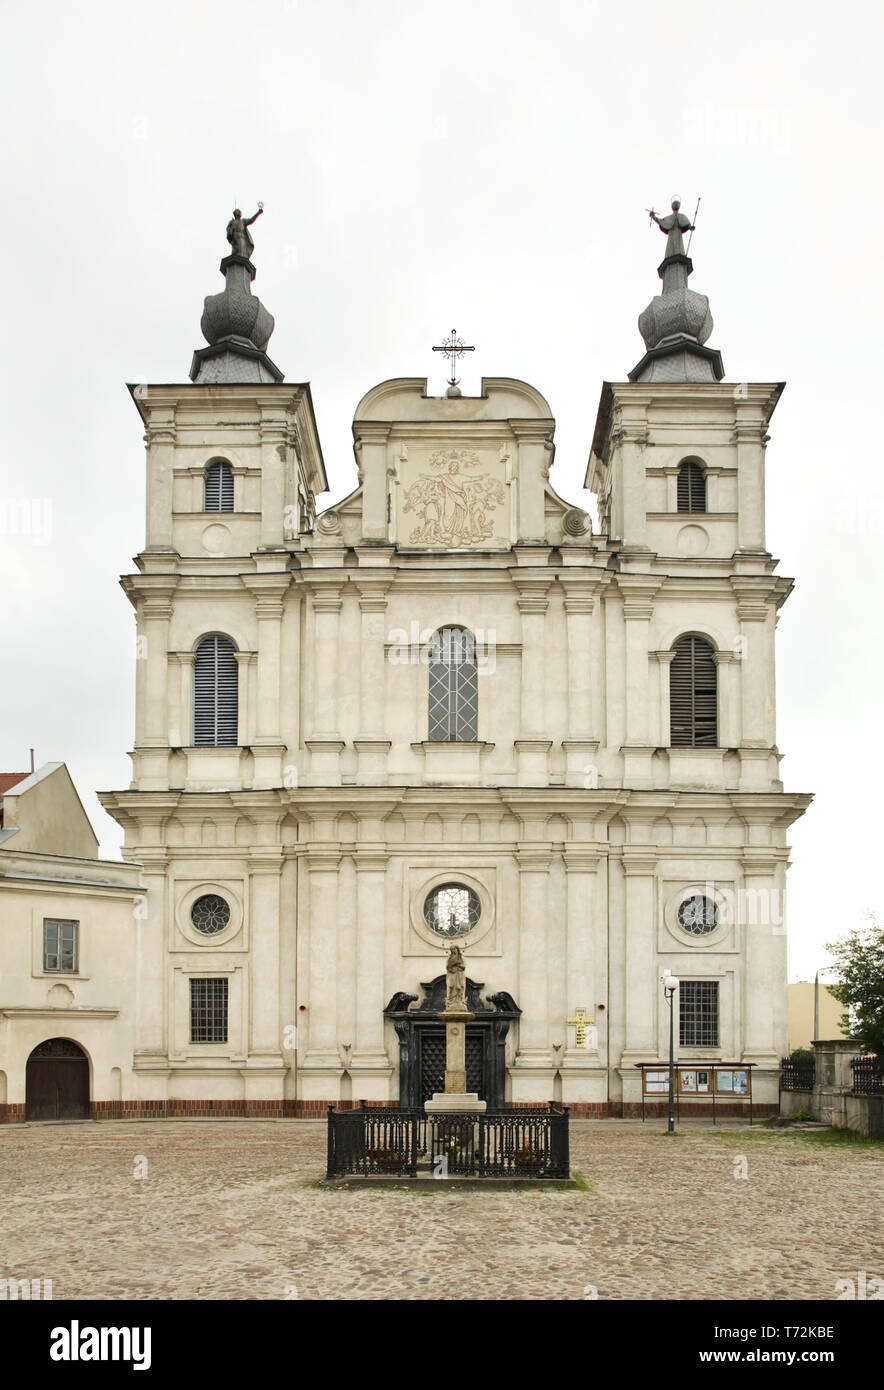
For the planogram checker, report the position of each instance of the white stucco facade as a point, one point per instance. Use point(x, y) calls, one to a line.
point(577, 826)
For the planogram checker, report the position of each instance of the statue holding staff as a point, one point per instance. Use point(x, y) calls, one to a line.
point(673, 224)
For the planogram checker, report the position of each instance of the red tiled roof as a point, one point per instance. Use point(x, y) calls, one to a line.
point(9, 779)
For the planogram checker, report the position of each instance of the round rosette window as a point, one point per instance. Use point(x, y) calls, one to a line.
point(452, 910)
point(210, 914)
point(698, 916)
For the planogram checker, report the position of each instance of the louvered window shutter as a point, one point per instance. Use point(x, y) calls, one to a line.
point(453, 687)
point(693, 695)
point(691, 488)
point(219, 487)
point(215, 693)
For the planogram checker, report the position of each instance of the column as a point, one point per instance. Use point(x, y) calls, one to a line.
point(641, 1043)
point(750, 436)
point(728, 700)
point(756, 618)
point(638, 593)
point(155, 613)
point(325, 744)
point(581, 873)
point(531, 746)
point(265, 1066)
point(532, 1075)
point(160, 437)
point(319, 1063)
point(580, 746)
point(664, 733)
point(370, 1067)
point(266, 742)
point(275, 438)
point(371, 746)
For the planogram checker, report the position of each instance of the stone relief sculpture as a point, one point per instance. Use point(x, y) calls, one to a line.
point(453, 509)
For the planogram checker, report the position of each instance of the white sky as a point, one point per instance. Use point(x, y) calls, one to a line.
point(424, 165)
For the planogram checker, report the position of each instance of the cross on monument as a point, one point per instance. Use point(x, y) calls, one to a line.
point(581, 1021)
point(453, 348)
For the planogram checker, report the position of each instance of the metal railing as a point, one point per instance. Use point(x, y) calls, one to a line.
point(502, 1144)
point(797, 1075)
point(868, 1076)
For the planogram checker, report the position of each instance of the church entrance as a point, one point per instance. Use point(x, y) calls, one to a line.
point(57, 1082)
point(430, 1061)
point(421, 1036)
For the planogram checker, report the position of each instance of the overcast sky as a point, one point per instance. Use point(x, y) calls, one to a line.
point(428, 165)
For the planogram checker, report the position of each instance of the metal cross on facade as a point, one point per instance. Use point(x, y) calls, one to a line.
point(453, 348)
point(581, 1021)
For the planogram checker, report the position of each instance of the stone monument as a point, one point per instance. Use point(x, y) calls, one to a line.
point(455, 1098)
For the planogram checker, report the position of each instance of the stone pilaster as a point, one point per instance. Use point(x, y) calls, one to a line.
point(370, 1067)
point(532, 1073)
point(372, 745)
point(267, 746)
point(320, 1063)
point(531, 746)
point(640, 955)
point(638, 608)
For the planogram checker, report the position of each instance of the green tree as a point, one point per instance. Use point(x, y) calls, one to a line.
point(859, 960)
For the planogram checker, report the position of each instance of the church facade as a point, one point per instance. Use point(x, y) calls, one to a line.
point(447, 709)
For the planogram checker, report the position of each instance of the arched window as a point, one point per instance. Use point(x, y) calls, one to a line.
point(693, 694)
point(219, 487)
point(691, 487)
point(453, 687)
point(215, 693)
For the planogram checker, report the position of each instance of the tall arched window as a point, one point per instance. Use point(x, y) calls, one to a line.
point(215, 694)
point(453, 687)
point(219, 487)
point(691, 487)
point(693, 694)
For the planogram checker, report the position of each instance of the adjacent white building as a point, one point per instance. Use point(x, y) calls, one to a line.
point(67, 956)
point(445, 708)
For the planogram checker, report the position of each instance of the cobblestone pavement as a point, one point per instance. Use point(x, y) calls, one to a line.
point(230, 1209)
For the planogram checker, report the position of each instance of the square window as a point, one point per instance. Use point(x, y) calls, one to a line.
point(208, 1011)
point(60, 945)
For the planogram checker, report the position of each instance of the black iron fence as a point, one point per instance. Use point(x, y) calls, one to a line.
point(868, 1076)
point(406, 1143)
point(797, 1073)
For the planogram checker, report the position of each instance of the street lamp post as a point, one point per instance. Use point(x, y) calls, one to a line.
point(670, 985)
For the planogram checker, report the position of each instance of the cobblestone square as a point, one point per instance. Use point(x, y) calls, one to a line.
point(232, 1210)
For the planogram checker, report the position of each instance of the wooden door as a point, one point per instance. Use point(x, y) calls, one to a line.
point(57, 1082)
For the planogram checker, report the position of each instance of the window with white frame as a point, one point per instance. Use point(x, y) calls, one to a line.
point(60, 945)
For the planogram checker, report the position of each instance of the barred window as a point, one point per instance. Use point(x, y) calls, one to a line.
point(698, 1013)
point(60, 945)
point(453, 687)
point(219, 487)
point(215, 693)
point(693, 694)
point(691, 490)
point(208, 1011)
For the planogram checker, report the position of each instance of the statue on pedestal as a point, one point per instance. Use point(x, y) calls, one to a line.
point(673, 224)
point(238, 233)
point(456, 982)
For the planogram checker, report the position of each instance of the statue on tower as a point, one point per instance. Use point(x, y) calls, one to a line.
point(673, 224)
point(238, 233)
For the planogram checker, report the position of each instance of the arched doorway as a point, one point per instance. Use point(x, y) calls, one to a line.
point(57, 1082)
